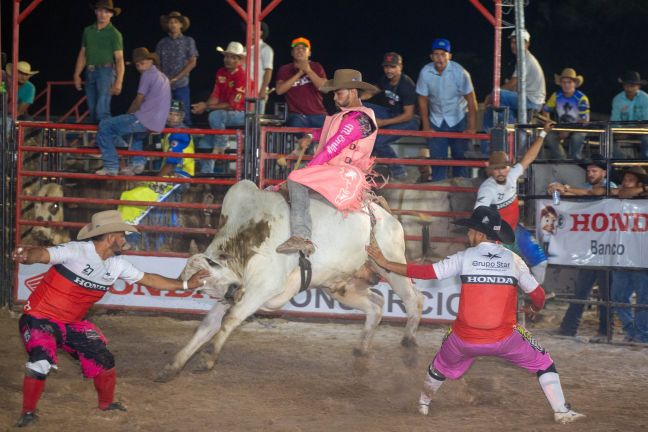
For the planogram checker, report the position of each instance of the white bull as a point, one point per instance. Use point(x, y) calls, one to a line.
point(246, 270)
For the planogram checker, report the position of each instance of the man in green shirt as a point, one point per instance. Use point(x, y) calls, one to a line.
point(102, 56)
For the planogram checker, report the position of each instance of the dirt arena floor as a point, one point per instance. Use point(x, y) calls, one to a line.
point(279, 375)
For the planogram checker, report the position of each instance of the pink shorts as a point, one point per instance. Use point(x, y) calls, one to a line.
point(456, 356)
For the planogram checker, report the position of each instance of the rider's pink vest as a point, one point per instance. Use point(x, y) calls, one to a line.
point(342, 179)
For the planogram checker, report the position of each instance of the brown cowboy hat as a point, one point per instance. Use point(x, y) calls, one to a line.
point(105, 222)
point(105, 4)
point(641, 174)
point(498, 159)
point(632, 77)
point(184, 21)
point(142, 53)
point(346, 79)
point(571, 74)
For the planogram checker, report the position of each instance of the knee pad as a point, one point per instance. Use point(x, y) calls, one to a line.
point(551, 368)
point(105, 358)
point(435, 374)
point(38, 369)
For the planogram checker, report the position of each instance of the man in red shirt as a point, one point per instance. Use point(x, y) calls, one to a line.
point(300, 81)
point(82, 272)
point(226, 102)
point(486, 322)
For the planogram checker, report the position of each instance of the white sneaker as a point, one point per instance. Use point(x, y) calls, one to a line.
point(567, 417)
point(132, 170)
point(423, 409)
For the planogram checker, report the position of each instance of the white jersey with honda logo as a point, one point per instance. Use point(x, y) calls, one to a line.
point(490, 275)
point(503, 196)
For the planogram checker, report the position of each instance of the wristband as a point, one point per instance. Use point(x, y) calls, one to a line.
point(542, 134)
point(185, 285)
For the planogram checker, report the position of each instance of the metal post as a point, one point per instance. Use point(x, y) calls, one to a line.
point(497, 53)
point(520, 50)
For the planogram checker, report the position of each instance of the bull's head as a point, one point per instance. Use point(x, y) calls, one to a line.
point(222, 284)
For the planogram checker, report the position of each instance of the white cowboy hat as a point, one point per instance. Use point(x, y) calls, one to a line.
point(234, 48)
point(105, 222)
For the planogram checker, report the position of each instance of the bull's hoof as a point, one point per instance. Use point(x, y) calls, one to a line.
point(167, 374)
point(408, 342)
point(205, 364)
point(357, 352)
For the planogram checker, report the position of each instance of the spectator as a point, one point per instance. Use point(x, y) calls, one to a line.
point(226, 103)
point(631, 105)
point(180, 143)
point(597, 182)
point(26, 90)
point(178, 57)
point(300, 82)
point(102, 56)
point(398, 111)
point(148, 112)
point(81, 273)
point(445, 92)
point(569, 106)
point(265, 66)
point(535, 87)
point(634, 183)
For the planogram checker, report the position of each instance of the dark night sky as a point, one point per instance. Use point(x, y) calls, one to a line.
point(600, 38)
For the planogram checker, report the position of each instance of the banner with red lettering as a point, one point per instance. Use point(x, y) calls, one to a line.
point(441, 298)
point(609, 232)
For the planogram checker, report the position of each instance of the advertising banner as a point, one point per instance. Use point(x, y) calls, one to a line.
point(610, 232)
point(441, 297)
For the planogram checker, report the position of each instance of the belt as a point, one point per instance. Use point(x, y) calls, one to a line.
point(94, 67)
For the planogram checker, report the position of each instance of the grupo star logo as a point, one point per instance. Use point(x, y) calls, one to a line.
point(32, 282)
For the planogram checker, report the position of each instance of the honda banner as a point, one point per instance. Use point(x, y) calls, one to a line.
point(610, 232)
point(441, 298)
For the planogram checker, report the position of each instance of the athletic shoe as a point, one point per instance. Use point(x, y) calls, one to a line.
point(26, 419)
point(115, 406)
point(132, 170)
point(423, 409)
point(567, 417)
point(106, 172)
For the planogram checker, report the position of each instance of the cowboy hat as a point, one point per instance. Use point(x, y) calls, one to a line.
point(346, 79)
point(596, 160)
point(105, 222)
point(498, 159)
point(184, 21)
point(234, 48)
point(23, 67)
point(142, 53)
point(488, 221)
point(105, 4)
point(571, 74)
point(632, 77)
point(641, 174)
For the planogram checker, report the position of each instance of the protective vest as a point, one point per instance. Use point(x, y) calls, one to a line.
point(490, 275)
point(64, 295)
point(342, 179)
